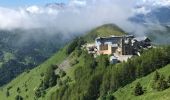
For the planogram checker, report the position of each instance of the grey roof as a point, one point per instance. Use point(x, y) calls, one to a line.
point(113, 39)
point(141, 38)
point(113, 57)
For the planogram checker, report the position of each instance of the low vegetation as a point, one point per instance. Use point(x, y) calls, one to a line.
point(90, 78)
point(20, 52)
point(150, 93)
point(104, 31)
point(96, 78)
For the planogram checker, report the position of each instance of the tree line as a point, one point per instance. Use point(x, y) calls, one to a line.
point(96, 78)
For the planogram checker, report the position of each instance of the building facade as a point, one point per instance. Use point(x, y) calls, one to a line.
point(121, 45)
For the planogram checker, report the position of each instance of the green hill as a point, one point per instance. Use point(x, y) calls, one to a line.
point(22, 50)
point(29, 81)
point(73, 74)
point(104, 31)
point(126, 93)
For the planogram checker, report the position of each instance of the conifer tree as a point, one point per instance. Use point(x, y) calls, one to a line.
point(156, 76)
point(18, 97)
point(7, 93)
point(138, 89)
point(162, 84)
point(168, 80)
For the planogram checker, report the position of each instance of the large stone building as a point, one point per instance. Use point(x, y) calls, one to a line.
point(120, 48)
point(120, 45)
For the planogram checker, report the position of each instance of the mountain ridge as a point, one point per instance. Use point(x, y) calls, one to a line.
point(35, 74)
point(88, 75)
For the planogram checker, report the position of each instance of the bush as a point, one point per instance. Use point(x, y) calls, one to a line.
point(62, 73)
point(7, 93)
point(18, 90)
point(110, 97)
point(18, 97)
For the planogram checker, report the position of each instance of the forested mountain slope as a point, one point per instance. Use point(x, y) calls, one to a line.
point(73, 74)
point(32, 78)
point(127, 92)
point(22, 50)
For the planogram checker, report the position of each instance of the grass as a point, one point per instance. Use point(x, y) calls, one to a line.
point(30, 80)
point(104, 31)
point(126, 93)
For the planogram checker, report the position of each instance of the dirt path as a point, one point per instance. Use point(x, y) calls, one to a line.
point(65, 64)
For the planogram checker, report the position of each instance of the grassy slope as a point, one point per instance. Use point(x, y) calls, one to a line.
point(126, 93)
point(32, 79)
point(104, 31)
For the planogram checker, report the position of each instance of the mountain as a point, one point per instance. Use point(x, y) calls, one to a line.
point(146, 82)
point(154, 3)
point(104, 31)
point(23, 50)
point(32, 78)
point(153, 15)
point(29, 81)
point(152, 11)
point(159, 15)
point(72, 73)
point(55, 5)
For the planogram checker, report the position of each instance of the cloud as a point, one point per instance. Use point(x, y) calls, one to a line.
point(76, 16)
point(155, 2)
point(78, 3)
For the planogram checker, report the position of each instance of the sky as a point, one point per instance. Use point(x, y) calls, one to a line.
point(85, 14)
point(19, 3)
point(76, 17)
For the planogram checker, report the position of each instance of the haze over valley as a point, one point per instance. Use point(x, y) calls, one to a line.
point(84, 49)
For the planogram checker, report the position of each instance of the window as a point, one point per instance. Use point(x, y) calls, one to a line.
point(104, 47)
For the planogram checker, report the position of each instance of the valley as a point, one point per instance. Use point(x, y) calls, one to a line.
point(85, 74)
point(84, 49)
point(21, 52)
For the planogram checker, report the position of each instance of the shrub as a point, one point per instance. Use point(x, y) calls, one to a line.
point(7, 93)
point(18, 97)
point(18, 90)
point(62, 73)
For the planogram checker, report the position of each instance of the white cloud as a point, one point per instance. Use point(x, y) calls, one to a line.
point(78, 3)
point(34, 9)
point(76, 17)
point(155, 3)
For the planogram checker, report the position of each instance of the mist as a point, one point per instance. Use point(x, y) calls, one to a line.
point(78, 16)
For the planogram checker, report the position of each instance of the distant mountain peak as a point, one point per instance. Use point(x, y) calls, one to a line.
point(55, 5)
point(146, 6)
point(155, 2)
point(152, 11)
